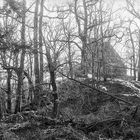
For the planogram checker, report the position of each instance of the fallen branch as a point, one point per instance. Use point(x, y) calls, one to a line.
point(99, 90)
point(99, 125)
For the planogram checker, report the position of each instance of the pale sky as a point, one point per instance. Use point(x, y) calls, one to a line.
point(117, 4)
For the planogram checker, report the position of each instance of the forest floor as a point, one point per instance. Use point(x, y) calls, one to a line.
point(106, 111)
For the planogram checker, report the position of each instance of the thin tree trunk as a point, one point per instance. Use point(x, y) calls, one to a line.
point(102, 43)
point(30, 99)
point(20, 71)
point(131, 66)
point(83, 57)
point(139, 66)
point(9, 75)
point(84, 39)
point(55, 96)
point(36, 62)
point(70, 57)
point(133, 49)
point(54, 87)
point(9, 91)
point(31, 86)
point(40, 41)
point(19, 92)
point(93, 77)
point(139, 59)
point(82, 34)
point(53, 80)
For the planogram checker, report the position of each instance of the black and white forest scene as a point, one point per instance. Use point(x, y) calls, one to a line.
point(69, 69)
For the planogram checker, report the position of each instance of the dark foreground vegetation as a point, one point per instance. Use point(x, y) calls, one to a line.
point(110, 111)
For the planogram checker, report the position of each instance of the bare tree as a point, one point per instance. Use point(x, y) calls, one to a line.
point(40, 40)
point(21, 68)
point(132, 10)
point(20, 12)
point(54, 48)
point(36, 61)
point(133, 52)
point(82, 30)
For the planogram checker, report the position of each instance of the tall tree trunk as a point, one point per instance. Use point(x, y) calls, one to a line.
point(36, 62)
point(9, 72)
point(102, 44)
point(133, 49)
point(94, 52)
point(84, 38)
point(131, 67)
point(21, 68)
point(40, 41)
point(55, 96)
point(54, 87)
point(31, 89)
point(82, 33)
point(70, 57)
point(30, 86)
point(19, 91)
point(83, 56)
point(139, 59)
point(53, 80)
point(92, 66)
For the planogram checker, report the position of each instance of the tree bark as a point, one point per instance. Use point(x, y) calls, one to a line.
point(9, 72)
point(55, 96)
point(53, 81)
point(84, 38)
point(82, 34)
point(139, 59)
point(102, 45)
point(70, 57)
point(40, 41)
point(21, 69)
point(36, 62)
point(133, 49)
point(83, 57)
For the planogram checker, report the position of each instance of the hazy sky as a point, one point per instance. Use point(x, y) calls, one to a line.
point(117, 3)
